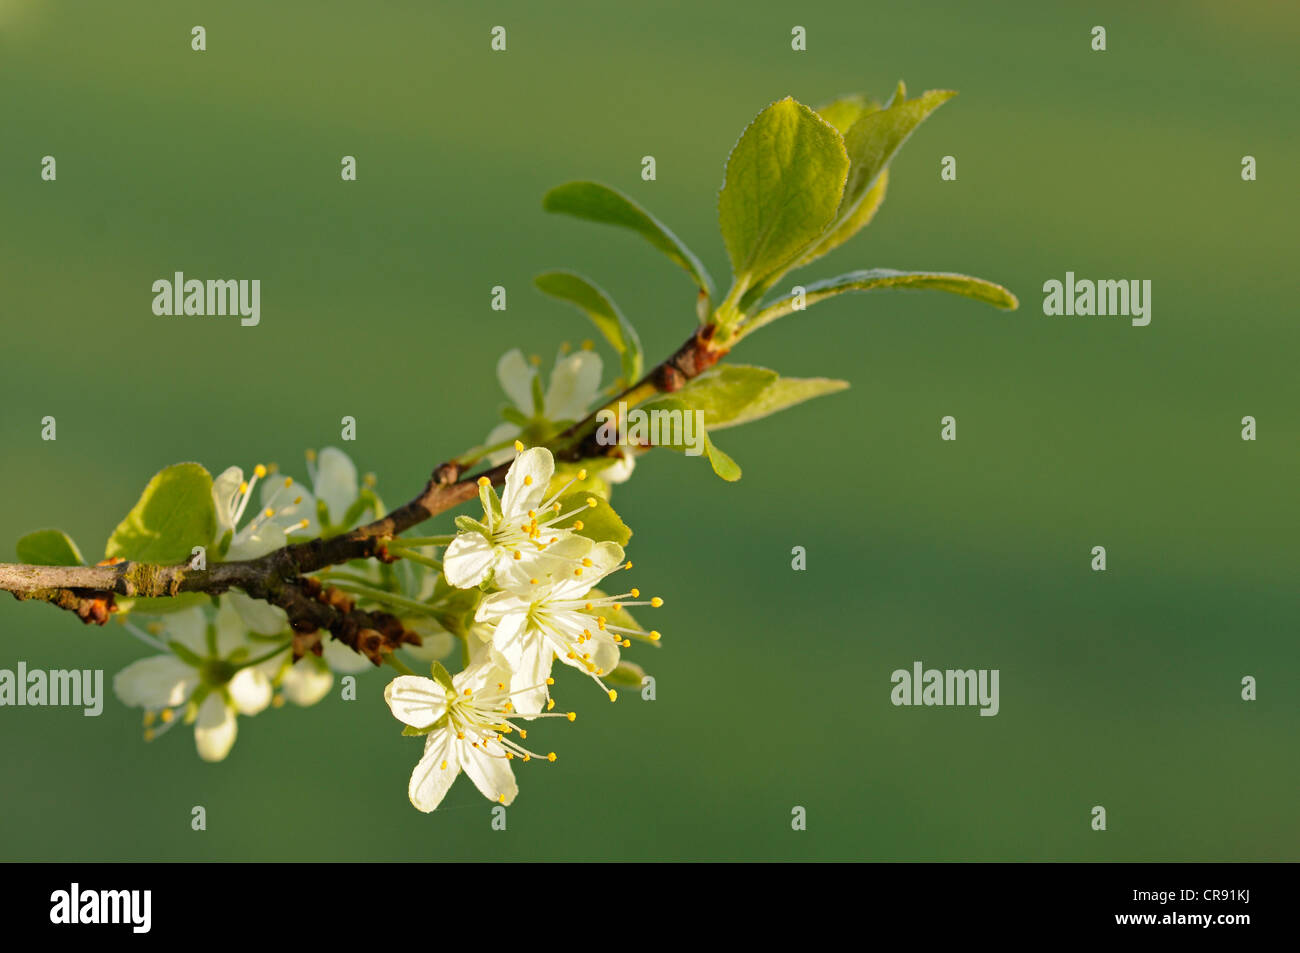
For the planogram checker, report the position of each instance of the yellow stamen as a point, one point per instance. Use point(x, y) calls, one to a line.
point(656, 602)
point(259, 471)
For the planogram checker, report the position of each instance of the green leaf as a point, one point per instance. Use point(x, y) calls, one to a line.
point(174, 514)
point(844, 112)
point(599, 203)
point(877, 136)
point(858, 219)
point(599, 522)
point(700, 445)
point(782, 393)
point(48, 547)
point(872, 142)
point(602, 311)
point(883, 279)
point(735, 394)
point(722, 464)
point(783, 185)
point(442, 676)
point(467, 524)
point(722, 393)
point(625, 675)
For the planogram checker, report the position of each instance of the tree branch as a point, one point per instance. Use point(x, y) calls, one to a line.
point(281, 578)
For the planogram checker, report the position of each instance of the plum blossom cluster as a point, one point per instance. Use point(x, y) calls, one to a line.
point(232, 656)
point(536, 577)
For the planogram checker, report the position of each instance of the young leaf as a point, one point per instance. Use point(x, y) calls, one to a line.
point(722, 464)
point(872, 141)
point(577, 290)
point(599, 203)
point(782, 393)
point(858, 219)
point(599, 522)
point(722, 393)
point(844, 112)
point(48, 547)
point(879, 279)
point(626, 675)
point(441, 676)
point(174, 514)
point(783, 184)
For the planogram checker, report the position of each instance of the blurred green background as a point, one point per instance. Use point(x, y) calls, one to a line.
point(1119, 688)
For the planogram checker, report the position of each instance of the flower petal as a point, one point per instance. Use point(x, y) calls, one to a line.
point(161, 681)
point(435, 772)
point(215, 730)
point(468, 560)
point(488, 768)
point(620, 472)
point(250, 691)
point(336, 482)
point(573, 387)
point(516, 378)
point(342, 659)
point(436, 642)
point(416, 701)
point(500, 434)
point(189, 627)
point(307, 681)
point(526, 482)
point(514, 638)
point(224, 490)
point(262, 617)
